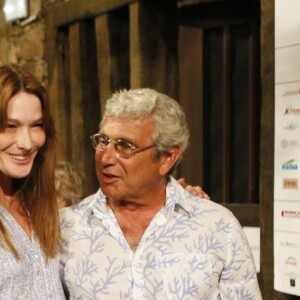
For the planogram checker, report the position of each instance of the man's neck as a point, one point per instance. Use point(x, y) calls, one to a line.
point(135, 216)
point(134, 206)
point(151, 200)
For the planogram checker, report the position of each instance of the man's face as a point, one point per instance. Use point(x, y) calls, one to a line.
point(130, 178)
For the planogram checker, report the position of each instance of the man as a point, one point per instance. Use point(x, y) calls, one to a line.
point(142, 236)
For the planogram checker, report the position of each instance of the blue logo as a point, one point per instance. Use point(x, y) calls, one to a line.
point(290, 165)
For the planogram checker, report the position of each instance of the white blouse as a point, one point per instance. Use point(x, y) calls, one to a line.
point(30, 277)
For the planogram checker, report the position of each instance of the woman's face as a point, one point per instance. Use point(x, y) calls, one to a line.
point(23, 135)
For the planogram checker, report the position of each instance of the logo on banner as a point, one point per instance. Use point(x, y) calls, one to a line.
point(291, 126)
point(290, 143)
point(289, 245)
point(292, 276)
point(290, 214)
point(290, 165)
point(292, 282)
point(292, 111)
point(290, 183)
point(291, 93)
point(292, 261)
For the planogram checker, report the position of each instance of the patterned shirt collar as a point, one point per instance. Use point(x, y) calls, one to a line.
point(176, 200)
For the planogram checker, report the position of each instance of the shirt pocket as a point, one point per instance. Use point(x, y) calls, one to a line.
point(185, 275)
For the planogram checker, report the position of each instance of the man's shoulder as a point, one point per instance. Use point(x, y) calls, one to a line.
point(206, 204)
point(190, 201)
point(193, 204)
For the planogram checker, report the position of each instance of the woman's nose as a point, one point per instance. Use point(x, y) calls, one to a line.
point(24, 139)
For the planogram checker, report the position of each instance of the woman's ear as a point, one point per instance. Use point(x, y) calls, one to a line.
point(168, 160)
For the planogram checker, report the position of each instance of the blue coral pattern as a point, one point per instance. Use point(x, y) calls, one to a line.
point(192, 249)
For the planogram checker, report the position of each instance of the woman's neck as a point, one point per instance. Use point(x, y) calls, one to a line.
point(10, 202)
point(17, 210)
point(13, 204)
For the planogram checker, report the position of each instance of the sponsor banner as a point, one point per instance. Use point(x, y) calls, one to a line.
point(287, 216)
point(287, 148)
point(287, 266)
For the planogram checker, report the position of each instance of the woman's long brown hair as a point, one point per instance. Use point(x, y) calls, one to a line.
point(36, 191)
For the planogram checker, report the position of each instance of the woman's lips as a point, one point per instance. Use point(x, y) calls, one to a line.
point(21, 159)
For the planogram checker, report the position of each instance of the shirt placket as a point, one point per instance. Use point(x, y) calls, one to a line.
point(40, 289)
point(137, 266)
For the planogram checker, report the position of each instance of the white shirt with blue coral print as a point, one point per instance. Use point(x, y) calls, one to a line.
point(192, 249)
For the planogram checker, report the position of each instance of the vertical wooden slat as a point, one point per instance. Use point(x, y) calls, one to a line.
point(112, 32)
point(104, 57)
point(64, 102)
point(56, 50)
point(153, 46)
point(266, 174)
point(191, 98)
point(136, 65)
point(84, 112)
point(91, 101)
point(226, 116)
point(76, 96)
point(253, 117)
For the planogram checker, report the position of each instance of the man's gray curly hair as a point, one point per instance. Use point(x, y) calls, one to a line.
point(170, 127)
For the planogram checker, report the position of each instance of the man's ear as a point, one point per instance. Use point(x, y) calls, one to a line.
point(168, 160)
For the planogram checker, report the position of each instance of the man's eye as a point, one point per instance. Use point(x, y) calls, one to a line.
point(124, 145)
point(103, 141)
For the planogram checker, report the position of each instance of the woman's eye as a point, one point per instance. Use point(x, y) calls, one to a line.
point(11, 126)
point(40, 125)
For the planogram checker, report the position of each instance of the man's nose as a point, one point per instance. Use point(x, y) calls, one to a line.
point(24, 138)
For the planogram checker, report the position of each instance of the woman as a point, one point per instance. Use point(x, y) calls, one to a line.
point(29, 225)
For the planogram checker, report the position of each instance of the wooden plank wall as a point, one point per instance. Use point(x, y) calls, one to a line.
point(96, 49)
point(129, 43)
